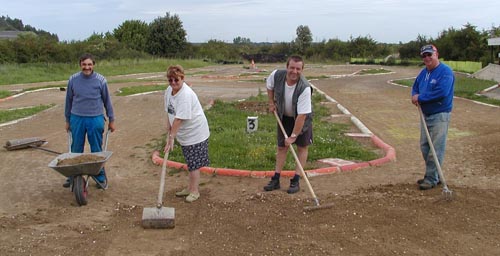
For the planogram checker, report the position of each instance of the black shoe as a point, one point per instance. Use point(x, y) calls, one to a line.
point(294, 187)
point(426, 185)
point(273, 184)
point(67, 183)
point(420, 181)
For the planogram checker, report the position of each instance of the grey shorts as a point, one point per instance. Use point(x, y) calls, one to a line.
point(303, 140)
point(196, 155)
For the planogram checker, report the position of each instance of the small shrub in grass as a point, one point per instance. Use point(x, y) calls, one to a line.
point(230, 146)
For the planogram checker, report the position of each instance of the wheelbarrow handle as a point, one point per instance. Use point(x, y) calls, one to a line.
point(106, 140)
point(70, 141)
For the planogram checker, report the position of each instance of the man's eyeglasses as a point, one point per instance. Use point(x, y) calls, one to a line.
point(170, 80)
point(427, 54)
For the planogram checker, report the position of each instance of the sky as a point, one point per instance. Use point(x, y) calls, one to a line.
point(385, 21)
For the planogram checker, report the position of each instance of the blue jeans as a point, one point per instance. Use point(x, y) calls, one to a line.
point(437, 124)
point(93, 129)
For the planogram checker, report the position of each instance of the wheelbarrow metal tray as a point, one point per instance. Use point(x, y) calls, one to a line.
point(85, 168)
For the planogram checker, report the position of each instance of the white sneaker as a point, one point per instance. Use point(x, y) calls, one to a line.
point(192, 197)
point(183, 192)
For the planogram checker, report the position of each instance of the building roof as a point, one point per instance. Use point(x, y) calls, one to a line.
point(9, 34)
point(494, 41)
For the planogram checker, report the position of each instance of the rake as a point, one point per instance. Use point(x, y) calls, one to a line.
point(317, 206)
point(447, 193)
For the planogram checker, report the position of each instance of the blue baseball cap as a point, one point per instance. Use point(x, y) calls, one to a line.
point(428, 48)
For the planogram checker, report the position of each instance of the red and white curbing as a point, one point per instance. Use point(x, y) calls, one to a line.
point(220, 171)
point(390, 155)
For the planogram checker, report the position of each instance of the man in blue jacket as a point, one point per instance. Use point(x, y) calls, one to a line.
point(433, 93)
point(87, 96)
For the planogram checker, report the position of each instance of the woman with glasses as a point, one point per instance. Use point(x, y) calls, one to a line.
point(187, 124)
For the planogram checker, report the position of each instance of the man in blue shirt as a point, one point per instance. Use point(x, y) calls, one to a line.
point(433, 93)
point(87, 96)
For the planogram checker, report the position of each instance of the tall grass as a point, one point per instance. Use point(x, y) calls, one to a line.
point(32, 73)
point(230, 146)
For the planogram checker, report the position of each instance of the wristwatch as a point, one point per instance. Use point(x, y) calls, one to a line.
point(293, 135)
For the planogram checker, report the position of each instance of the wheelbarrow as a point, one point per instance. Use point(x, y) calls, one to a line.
point(80, 167)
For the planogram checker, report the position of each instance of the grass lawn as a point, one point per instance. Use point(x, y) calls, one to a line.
point(230, 146)
point(14, 114)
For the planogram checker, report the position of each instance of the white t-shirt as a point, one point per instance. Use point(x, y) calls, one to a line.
point(185, 106)
point(304, 101)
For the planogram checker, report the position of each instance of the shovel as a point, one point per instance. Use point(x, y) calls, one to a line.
point(159, 216)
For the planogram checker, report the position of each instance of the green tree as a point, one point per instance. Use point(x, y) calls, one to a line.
point(465, 44)
point(167, 37)
point(494, 31)
point(26, 47)
point(278, 48)
point(7, 54)
point(411, 50)
point(218, 51)
point(336, 49)
point(304, 39)
point(241, 40)
point(362, 47)
point(13, 24)
point(133, 34)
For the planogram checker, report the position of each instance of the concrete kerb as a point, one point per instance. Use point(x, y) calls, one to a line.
point(26, 92)
point(390, 155)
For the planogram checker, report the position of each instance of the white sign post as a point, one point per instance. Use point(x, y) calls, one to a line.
point(252, 123)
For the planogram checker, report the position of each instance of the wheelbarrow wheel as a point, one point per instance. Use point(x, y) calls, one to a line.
point(80, 189)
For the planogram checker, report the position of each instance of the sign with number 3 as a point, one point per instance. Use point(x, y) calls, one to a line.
point(252, 123)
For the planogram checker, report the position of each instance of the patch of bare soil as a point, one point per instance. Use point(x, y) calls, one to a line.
point(254, 106)
point(376, 210)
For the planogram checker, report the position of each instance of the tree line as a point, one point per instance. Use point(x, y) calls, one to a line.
point(166, 37)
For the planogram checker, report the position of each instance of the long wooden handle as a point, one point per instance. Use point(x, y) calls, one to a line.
point(431, 144)
point(162, 181)
point(297, 160)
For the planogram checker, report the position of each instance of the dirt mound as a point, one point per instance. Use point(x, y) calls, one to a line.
point(87, 158)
